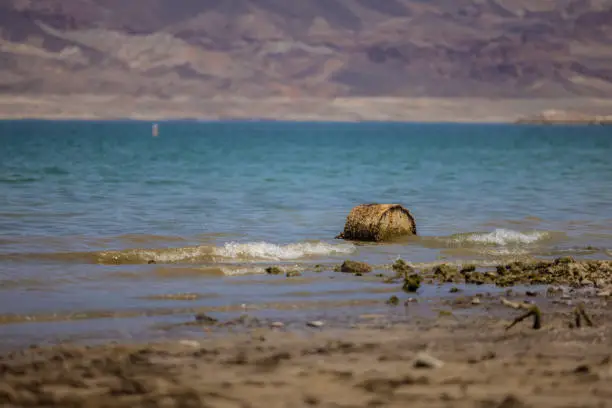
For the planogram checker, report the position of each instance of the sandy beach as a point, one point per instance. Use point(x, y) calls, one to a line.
point(468, 355)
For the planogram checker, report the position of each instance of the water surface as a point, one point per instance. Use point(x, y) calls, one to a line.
point(86, 207)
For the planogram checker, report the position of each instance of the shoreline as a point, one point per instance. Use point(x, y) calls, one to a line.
point(281, 109)
point(452, 358)
point(522, 347)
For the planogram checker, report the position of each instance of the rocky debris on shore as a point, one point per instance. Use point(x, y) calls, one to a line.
point(274, 270)
point(412, 283)
point(402, 269)
point(564, 270)
point(293, 274)
point(393, 301)
point(378, 223)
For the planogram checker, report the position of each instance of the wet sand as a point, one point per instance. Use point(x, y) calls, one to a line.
point(465, 356)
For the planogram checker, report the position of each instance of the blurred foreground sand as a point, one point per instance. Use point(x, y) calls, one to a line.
point(453, 360)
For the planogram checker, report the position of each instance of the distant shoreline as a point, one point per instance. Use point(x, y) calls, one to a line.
point(349, 110)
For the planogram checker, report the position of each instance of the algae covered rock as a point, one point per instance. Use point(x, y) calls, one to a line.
point(355, 267)
point(274, 270)
point(401, 268)
point(446, 273)
point(393, 301)
point(293, 274)
point(377, 223)
point(412, 283)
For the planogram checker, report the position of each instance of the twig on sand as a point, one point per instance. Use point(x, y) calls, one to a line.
point(532, 310)
point(515, 305)
point(579, 314)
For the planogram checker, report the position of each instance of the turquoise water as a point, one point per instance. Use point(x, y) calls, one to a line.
point(85, 206)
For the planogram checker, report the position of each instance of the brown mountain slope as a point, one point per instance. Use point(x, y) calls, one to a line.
point(324, 48)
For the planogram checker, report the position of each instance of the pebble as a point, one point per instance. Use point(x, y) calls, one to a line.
point(476, 301)
point(277, 325)
point(315, 323)
point(604, 293)
point(424, 360)
point(202, 317)
point(189, 343)
point(531, 293)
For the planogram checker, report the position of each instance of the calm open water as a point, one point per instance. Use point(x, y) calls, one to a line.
point(85, 206)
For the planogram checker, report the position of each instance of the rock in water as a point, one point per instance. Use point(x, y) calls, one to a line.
point(378, 222)
point(355, 267)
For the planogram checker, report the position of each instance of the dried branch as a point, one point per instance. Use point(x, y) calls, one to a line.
point(532, 310)
point(579, 314)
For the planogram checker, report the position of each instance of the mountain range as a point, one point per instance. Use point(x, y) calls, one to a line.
point(307, 48)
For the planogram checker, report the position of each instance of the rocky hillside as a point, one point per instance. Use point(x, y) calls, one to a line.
point(320, 48)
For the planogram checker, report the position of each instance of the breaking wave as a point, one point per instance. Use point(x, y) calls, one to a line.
point(273, 252)
point(229, 252)
point(500, 237)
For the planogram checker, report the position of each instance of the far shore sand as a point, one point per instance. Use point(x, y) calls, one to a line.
point(458, 110)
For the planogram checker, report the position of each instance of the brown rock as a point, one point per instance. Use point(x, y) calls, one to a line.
point(355, 267)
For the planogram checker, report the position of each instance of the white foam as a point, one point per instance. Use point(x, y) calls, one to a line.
point(273, 252)
point(503, 237)
point(241, 271)
point(168, 255)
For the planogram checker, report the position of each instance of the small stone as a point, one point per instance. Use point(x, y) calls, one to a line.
point(393, 301)
point(424, 360)
point(355, 267)
point(604, 293)
point(274, 270)
point(277, 325)
point(315, 323)
point(204, 318)
point(410, 300)
point(531, 293)
point(454, 290)
point(151, 262)
point(565, 260)
point(476, 301)
point(293, 274)
point(189, 343)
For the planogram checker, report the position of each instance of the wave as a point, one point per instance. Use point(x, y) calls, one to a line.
point(229, 252)
point(500, 237)
point(273, 252)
